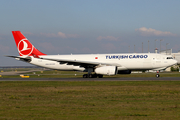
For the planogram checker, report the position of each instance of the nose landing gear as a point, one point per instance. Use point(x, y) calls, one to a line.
point(157, 75)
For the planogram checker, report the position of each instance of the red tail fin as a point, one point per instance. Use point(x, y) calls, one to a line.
point(24, 46)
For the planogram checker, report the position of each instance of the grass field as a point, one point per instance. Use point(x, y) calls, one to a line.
point(141, 100)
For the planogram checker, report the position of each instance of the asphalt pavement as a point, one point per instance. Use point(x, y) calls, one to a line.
point(95, 79)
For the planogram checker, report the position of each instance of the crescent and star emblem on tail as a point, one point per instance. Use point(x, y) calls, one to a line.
point(25, 47)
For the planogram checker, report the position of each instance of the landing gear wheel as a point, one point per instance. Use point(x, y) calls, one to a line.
point(90, 76)
point(85, 76)
point(94, 75)
point(100, 76)
point(157, 75)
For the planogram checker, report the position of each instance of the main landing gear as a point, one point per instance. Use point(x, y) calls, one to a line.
point(92, 76)
point(157, 75)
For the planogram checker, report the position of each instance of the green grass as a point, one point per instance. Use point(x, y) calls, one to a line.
point(137, 100)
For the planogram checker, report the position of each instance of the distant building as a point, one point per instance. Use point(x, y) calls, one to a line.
point(166, 52)
point(176, 56)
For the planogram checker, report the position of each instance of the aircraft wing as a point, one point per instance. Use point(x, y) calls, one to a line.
point(80, 63)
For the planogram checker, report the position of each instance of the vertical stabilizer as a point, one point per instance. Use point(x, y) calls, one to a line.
point(25, 48)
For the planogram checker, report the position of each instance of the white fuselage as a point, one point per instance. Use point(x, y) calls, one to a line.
point(134, 61)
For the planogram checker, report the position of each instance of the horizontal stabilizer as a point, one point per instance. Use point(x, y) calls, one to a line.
point(22, 58)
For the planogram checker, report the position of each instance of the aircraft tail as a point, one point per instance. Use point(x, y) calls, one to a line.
point(25, 48)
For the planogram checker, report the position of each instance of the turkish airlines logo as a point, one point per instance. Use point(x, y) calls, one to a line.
point(25, 47)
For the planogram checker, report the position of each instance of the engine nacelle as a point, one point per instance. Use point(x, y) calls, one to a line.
point(124, 72)
point(106, 70)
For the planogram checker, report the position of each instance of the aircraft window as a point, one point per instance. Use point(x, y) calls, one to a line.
point(169, 58)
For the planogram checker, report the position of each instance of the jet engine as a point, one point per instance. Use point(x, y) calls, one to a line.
point(106, 70)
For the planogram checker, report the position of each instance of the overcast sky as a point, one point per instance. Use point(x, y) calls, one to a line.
point(89, 26)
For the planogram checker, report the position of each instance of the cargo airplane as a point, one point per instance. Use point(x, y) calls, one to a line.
point(96, 65)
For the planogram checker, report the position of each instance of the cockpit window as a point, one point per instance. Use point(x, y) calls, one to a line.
point(169, 58)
